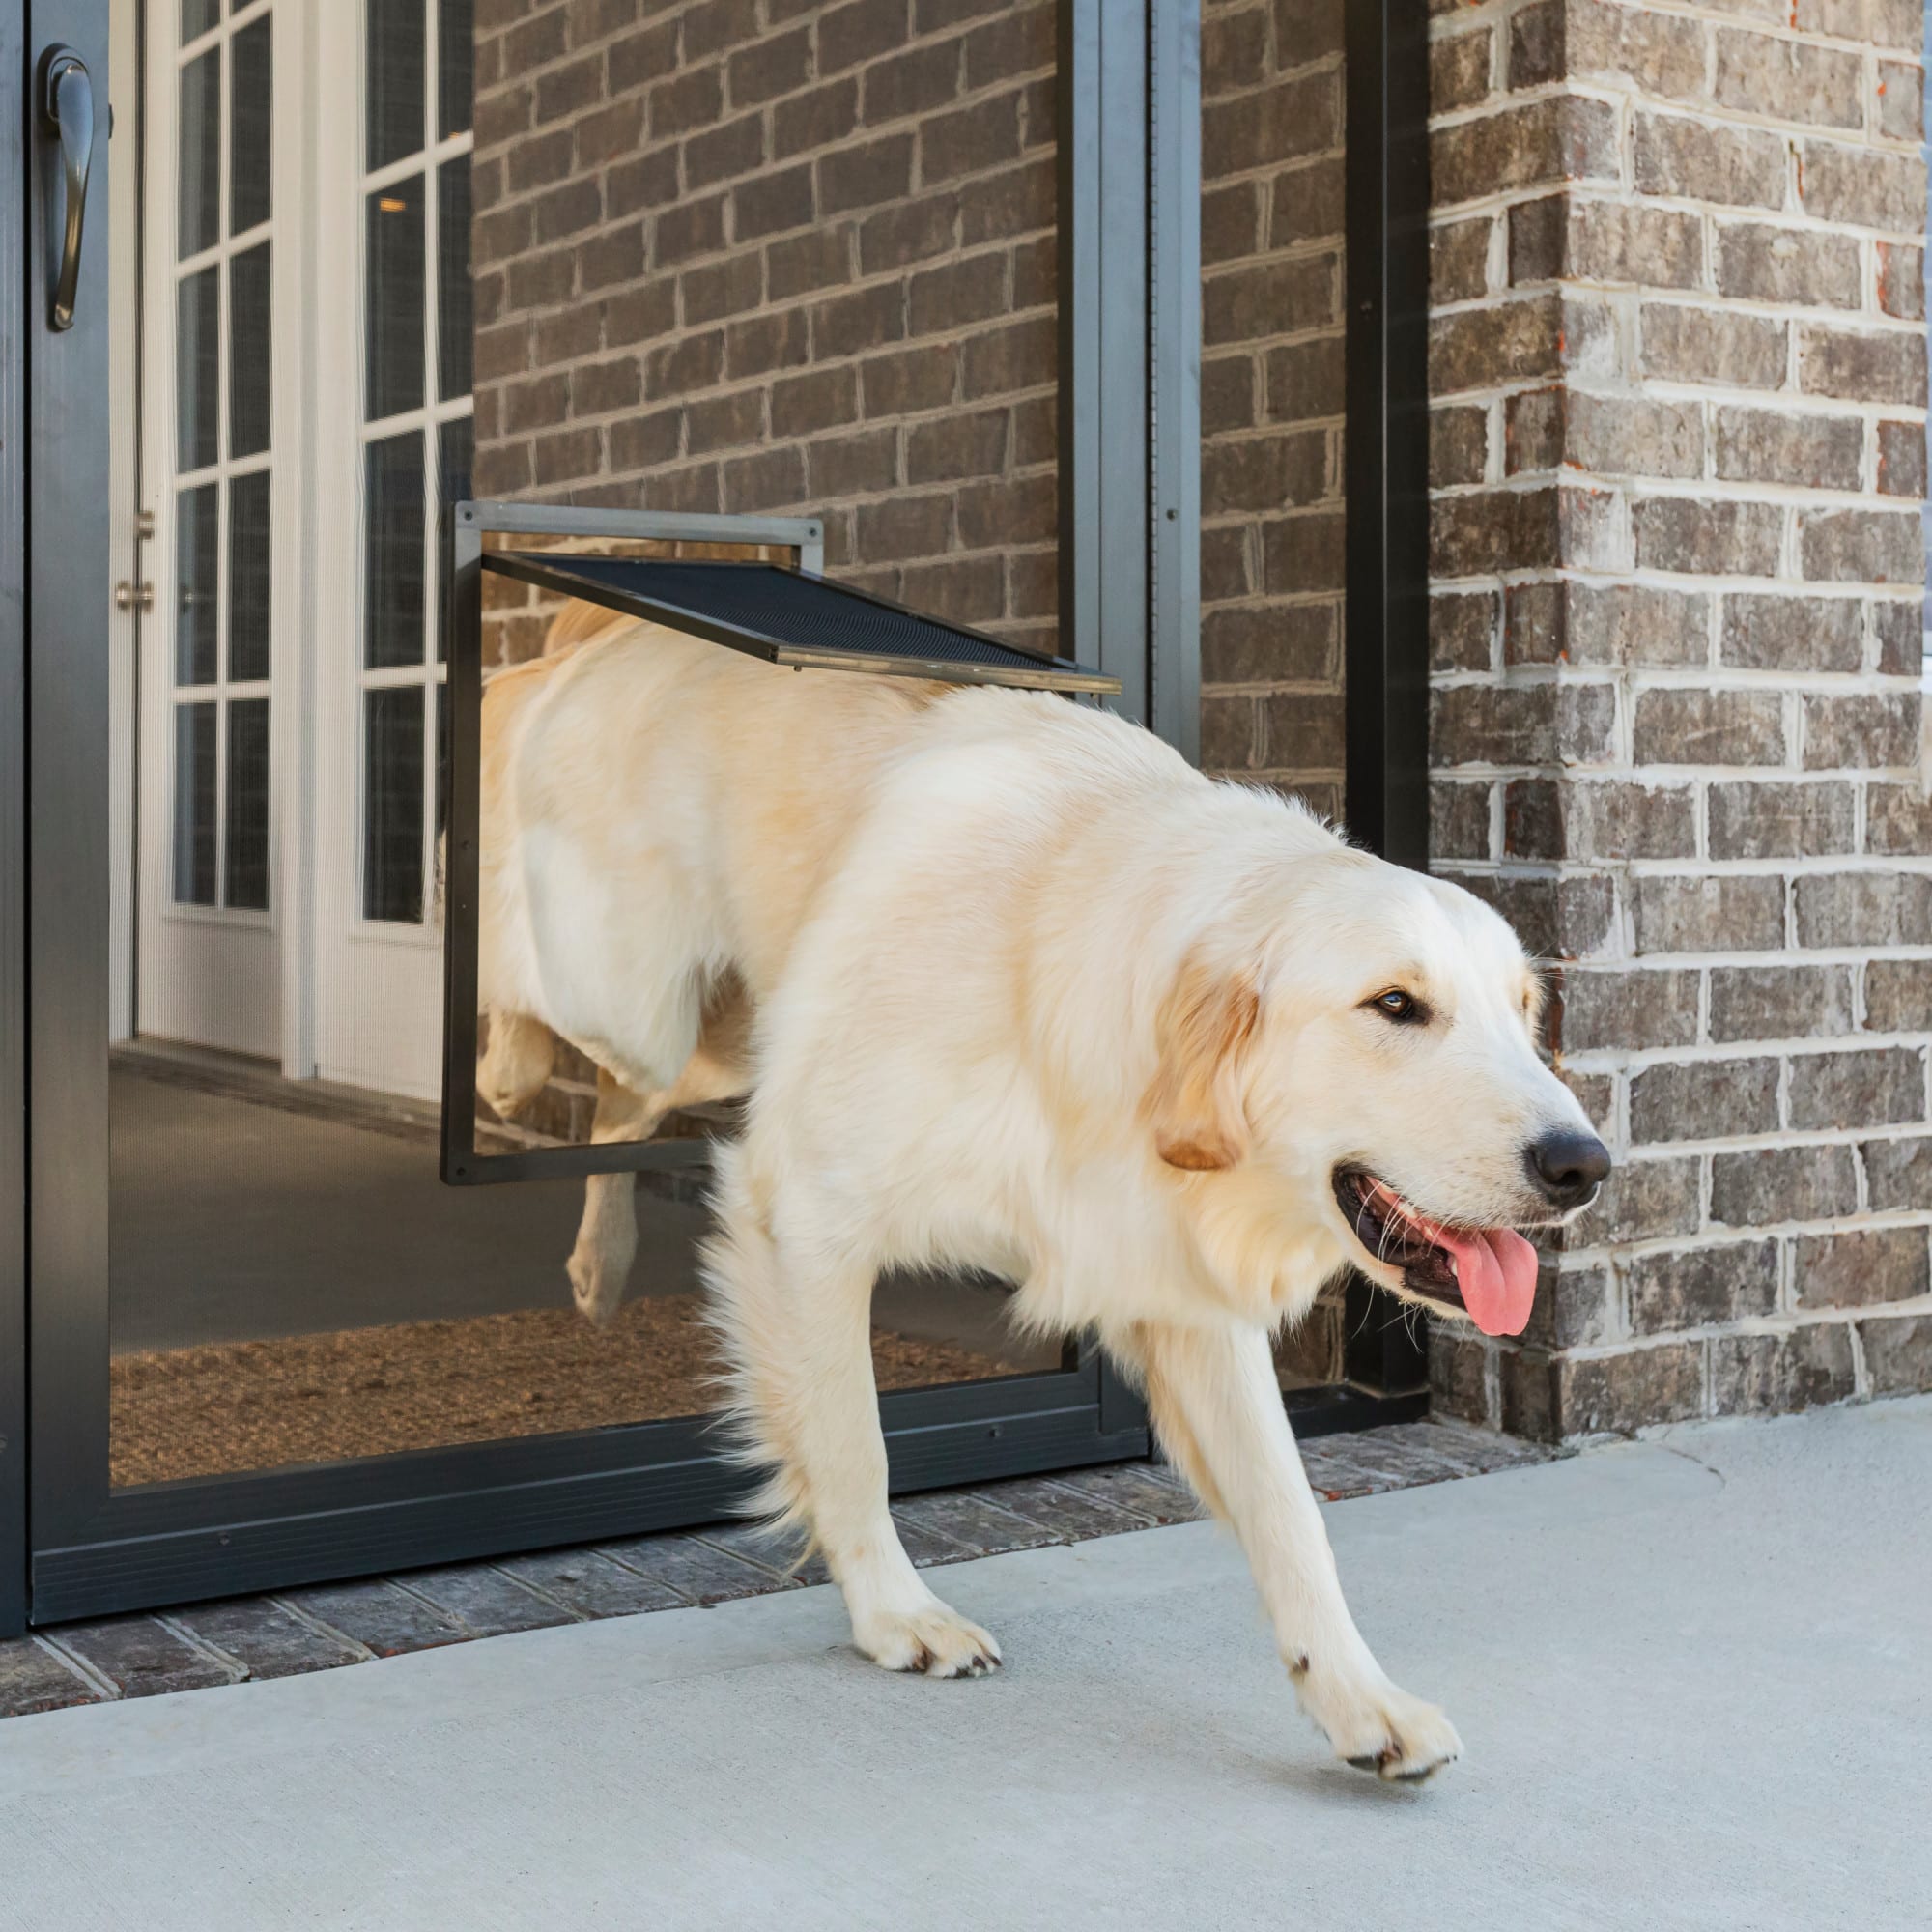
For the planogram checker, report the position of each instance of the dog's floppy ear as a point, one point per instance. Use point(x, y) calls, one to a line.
point(1195, 1099)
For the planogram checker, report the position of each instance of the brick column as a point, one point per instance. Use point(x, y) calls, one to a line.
point(1679, 450)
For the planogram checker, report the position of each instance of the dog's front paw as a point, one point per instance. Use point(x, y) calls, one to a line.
point(929, 1637)
point(1380, 1728)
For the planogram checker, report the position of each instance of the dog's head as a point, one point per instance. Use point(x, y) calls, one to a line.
point(1357, 1043)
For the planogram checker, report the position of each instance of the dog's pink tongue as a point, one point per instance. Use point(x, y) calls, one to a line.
point(1496, 1270)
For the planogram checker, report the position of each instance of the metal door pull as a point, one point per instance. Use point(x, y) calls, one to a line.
point(67, 103)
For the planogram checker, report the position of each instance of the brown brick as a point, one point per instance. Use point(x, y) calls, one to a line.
point(1459, 255)
point(1629, 1009)
point(1898, 820)
point(802, 405)
point(758, 344)
point(639, 442)
point(1459, 818)
point(970, 140)
point(957, 446)
point(1707, 1099)
point(1227, 395)
point(1459, 443)
point(720, 152)
point(1864, 909)
point(1308, 204)
point(1742, 167)
point(1861, 1267)
point(1898, 1353)
point(1901, 459)
point(1299, 729)
point(1623, 820)
point(1860, 367)
point(693, 97)
point(1857, 187)
point(1780, 821)
point(1728, 914)
point(1507, 342)
point(1776, 633)
point(597, 389)
point(691, 228)
point(1555, 139)
point(1661, 55)
point(1491, 530)
point(1898, 1172)
point(1770, 1185)
point(1302, 553)
point(1021, 355)
point(1604, 624)
point(1605, 241)
point(849, 324)
point(1780, 1001)
point(1699, 1286)
point(728, 287)
point(1677, 725)
point(860, 31)
point(1573, 1308)
point(904, 526)
point(1269, 645)
point(910, 380)
point(719, 422)
point(1771, 446)
point(1788, 80)
point(1017, 201)
point(773, 63)
point(1860, 546)
point(1704, 535)
point(1301, 116)
point(1776, 1375)
point(1757, 262)
point(1519, 724)
point(636, 59)
point(1459, 71)
point(957, 294)
point(645, 182)
point(866, 175)
point(1461, 629)
point(1595, 1395)
point(1644, 1200)
point(1860, 729)
point(1264, 472)
point(1873, 1087)
point(1266, 299)
point(803, 263)
point(714, 25)
point(1898, 997)
point(1901, 280)
point(963, 589)
point(1689, 344)
point(1899, 625)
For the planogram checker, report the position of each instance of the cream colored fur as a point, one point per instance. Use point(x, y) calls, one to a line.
point(1030, 996)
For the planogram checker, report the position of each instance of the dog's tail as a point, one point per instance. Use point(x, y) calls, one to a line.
point(747, 1310)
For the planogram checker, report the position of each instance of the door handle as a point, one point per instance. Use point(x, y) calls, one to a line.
point(67, 105)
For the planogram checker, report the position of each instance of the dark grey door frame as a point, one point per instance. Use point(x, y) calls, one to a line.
point(1130, 593)
point(14, 310)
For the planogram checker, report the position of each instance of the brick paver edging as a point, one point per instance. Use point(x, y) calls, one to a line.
point(292, 1631)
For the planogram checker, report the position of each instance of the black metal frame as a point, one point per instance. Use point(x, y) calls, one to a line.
point(1131, 357)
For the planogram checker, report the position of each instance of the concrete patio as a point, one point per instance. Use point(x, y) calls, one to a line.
point(1691, 1673)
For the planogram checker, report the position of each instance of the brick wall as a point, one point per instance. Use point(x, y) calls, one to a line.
point(1271, 391)
point(1679, 365)
point(759, 255)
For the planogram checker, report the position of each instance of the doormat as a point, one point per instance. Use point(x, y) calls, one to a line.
point(230, 1405)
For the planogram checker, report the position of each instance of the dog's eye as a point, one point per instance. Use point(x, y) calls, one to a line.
point(1401, 1007)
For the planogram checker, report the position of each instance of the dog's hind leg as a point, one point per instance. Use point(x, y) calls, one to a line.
point(515, 1063)
point(794, 1306)
point(1217, 1408)
point(607, 1239)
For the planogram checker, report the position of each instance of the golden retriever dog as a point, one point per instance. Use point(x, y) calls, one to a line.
point(1029, 996)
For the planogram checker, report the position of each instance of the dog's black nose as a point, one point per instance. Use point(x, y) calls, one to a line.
point(1568, 1167)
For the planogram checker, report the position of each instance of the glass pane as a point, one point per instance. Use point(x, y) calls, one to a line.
point(1272, 419)
point(200, 185)
point(452, 278)
point(392, 804)
point(392, 551)
point(251, 113)
point(245, 856)
point(394, 81)
point(197, 17)
point(394, 293)
point(454, 441)
point(455, 67)
point(198, 369)
point(195, 783)
point(248, 578)
point(197, 587)
point(248, 351)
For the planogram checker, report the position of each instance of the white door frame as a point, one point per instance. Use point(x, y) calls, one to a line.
point(377, 985)
point(208, 974)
